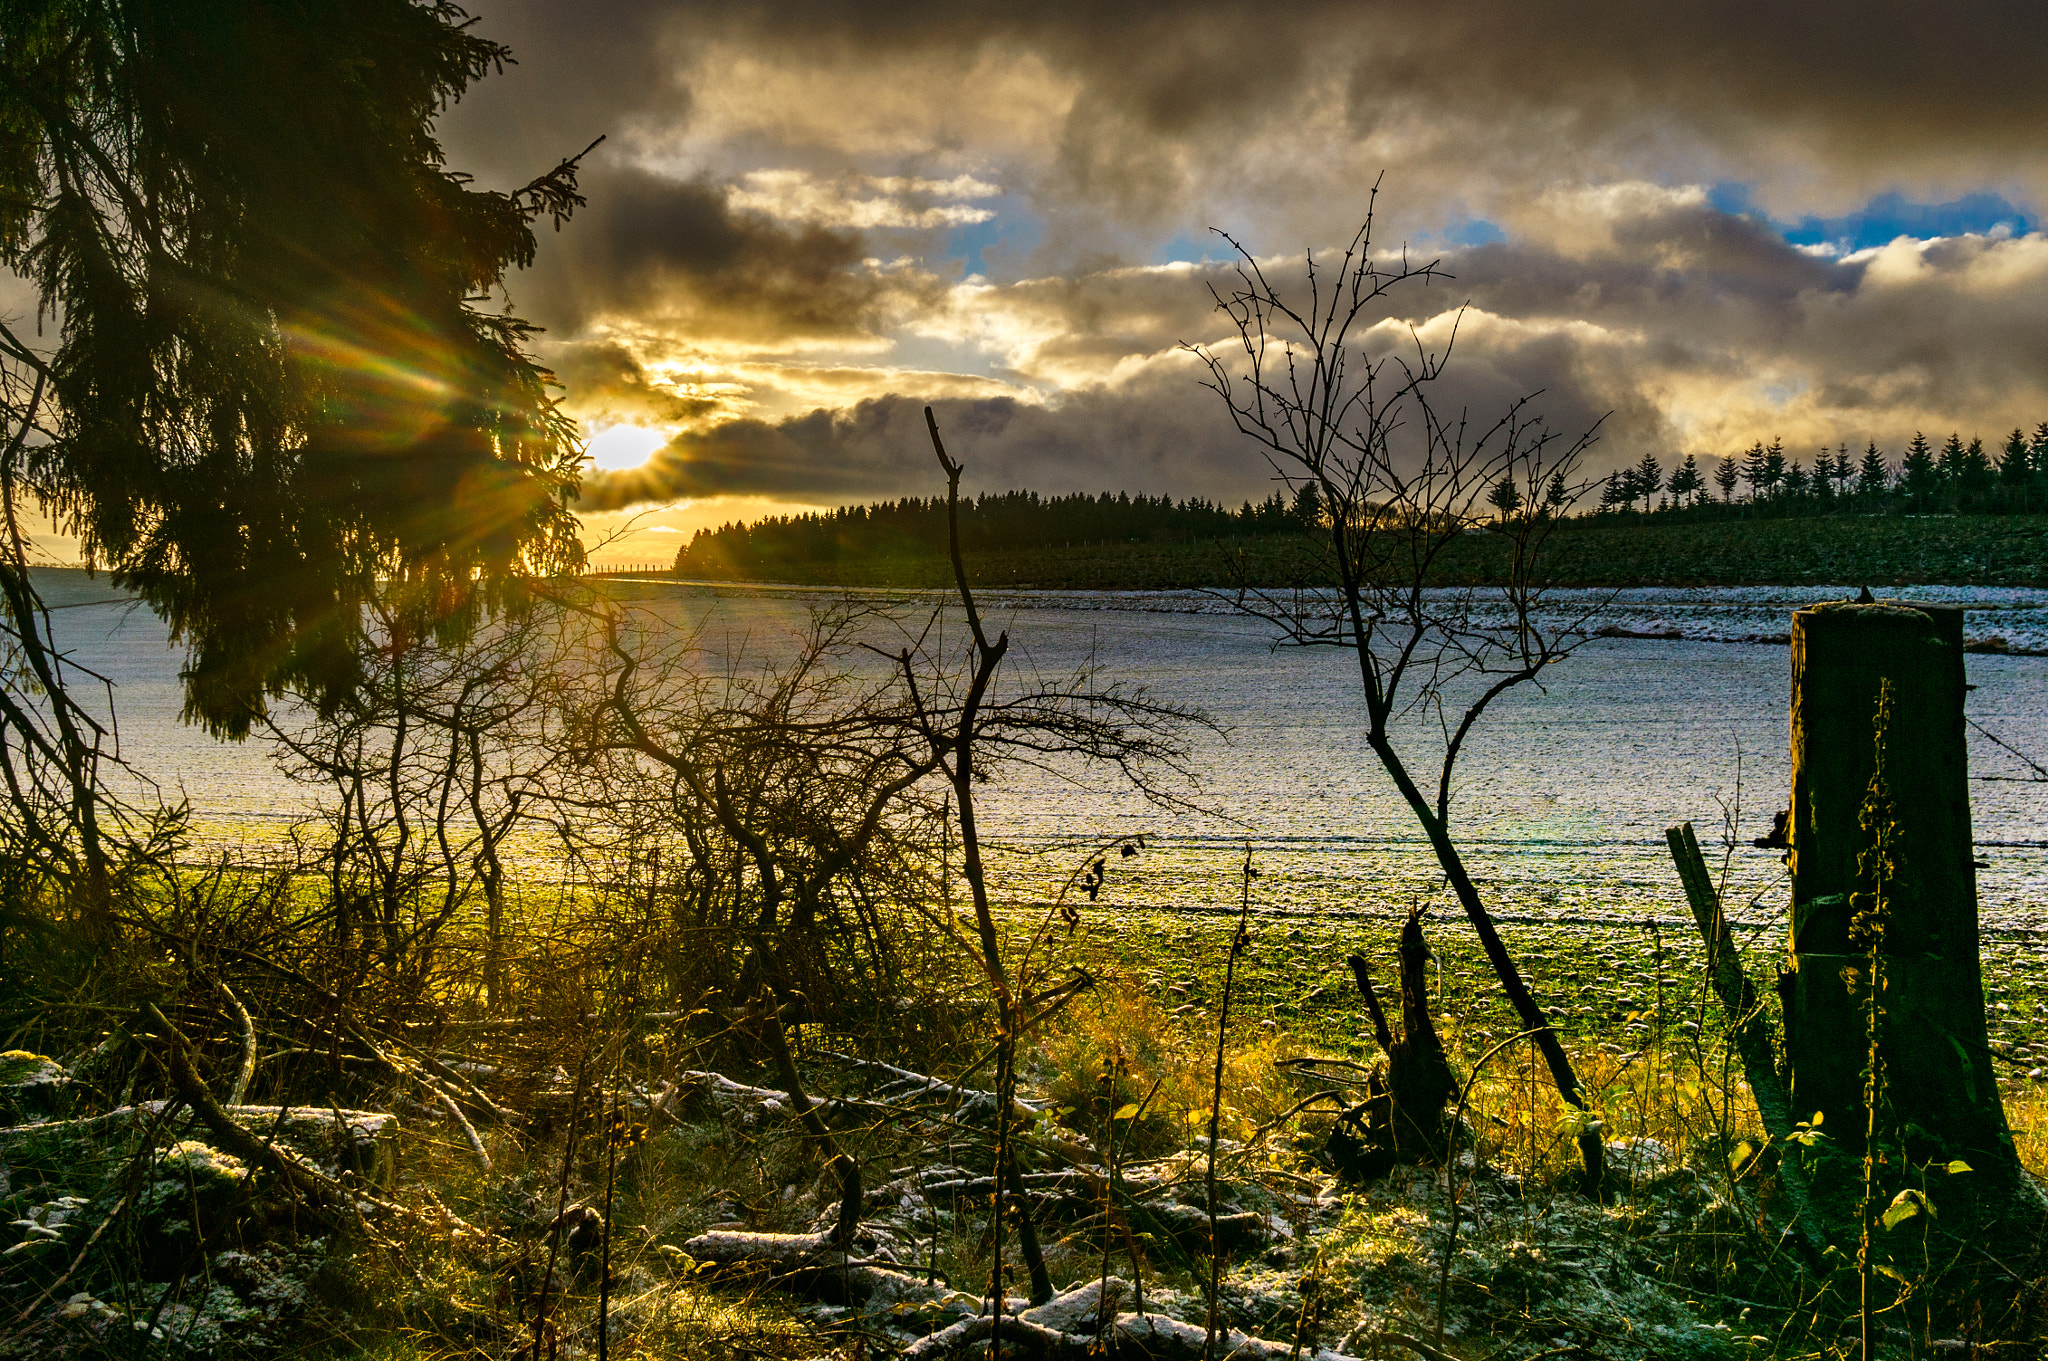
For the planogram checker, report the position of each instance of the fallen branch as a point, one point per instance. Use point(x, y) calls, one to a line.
point(469, 1134)
point(322, 1190)
point(908, 1084)
point(806, 1263)
point(244, 1074)
point(1067, 1328)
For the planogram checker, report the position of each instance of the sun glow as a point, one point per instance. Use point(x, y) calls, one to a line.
point(617, 447)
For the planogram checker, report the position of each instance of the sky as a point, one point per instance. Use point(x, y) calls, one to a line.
point(1707, 224)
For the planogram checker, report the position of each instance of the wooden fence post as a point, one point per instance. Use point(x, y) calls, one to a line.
point(1942, 1093)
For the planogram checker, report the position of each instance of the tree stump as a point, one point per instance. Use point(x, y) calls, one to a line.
point(1402, 1118)
point(1942, 1095)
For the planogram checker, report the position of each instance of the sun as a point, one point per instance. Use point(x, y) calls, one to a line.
point(616, 447)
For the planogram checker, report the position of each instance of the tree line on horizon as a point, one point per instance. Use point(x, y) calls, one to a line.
point(992, 522)
point(1957, 478)
point(1765, 480)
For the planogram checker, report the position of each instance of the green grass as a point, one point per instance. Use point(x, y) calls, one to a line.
point(1977, 550)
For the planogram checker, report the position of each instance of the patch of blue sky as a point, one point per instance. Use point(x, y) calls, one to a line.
point(1472, 231)
point(1191, 250)
point(1782, 394)
point(1884, 218)
point(1013, 228)
point(1459, 231)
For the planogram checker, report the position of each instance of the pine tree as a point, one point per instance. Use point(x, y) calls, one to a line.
point(2016, 460)
point(1873, 475)
point(1919, 476)
point(1974, 472)
point(1824, 474)
point(1610, 493)
point(1505, 497)
point(1796, 481)
point(1753, 469)
point(1558, 494)
point(1725, 477)
point(1307, 511)
point(279, 405)
point(1649, 478)
point(2016, 469)
point(1686, 480)
point(1950, 462)
point(1774, 466)
point(2039, 449)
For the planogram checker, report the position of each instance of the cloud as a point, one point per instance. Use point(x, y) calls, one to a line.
point(768, 266)
point(1141, 112)
point(609, 383)
point(653, 250)
point(863, 202)
point(1686, 329)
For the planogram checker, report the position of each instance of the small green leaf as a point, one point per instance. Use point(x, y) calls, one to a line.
point(1899, 1276)
point(1957, 1165)
point(1904, 1206)
point(1740, 1154)
point(1125, 1111)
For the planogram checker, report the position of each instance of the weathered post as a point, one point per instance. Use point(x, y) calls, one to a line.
point(1938, 1081)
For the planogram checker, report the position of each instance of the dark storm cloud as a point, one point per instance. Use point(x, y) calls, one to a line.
point(1166, 93)
point(650, 248)
point(596, 68)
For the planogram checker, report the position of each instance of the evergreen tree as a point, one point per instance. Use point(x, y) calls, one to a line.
point(2016, 460)
point(1505, 497)
point(1686, 481)
point(1725, 477)
point(1649, 478)
point(1610, 493)
point(1950, 462)
point(2040, 450)
point(1557, 494)
point(1974, 473)
point(1873, 475)
point(1796, 481)
point(2016, 469)
point(280, 404)
point(1824, 474)
point(1774, 466)
point(1754, 470)
point(1919, 476)
point(1307, 512)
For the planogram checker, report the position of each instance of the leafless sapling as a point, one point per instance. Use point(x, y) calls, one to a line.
point(1403, 482)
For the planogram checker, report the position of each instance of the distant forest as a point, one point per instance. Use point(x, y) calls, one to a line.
point(1957, 478)
point(916, 527)
point(1763, 482)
